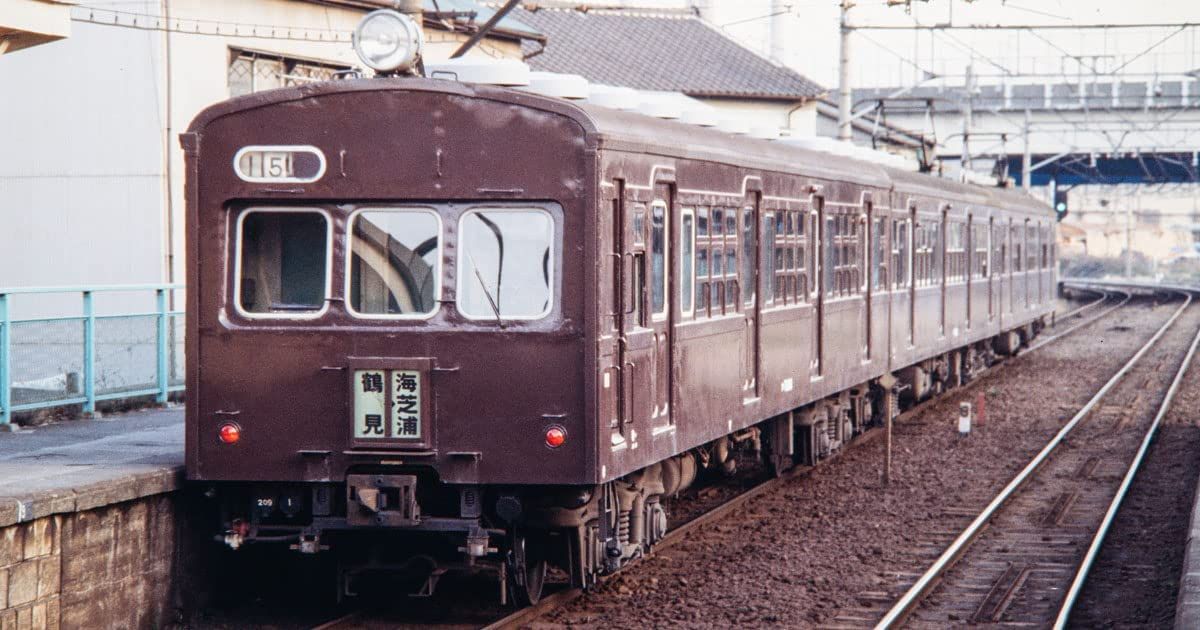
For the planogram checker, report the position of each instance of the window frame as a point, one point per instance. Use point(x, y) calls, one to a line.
point(684, 214)
point(665, 287)
point(237, 262)
point(551, 264)
point(438, 271)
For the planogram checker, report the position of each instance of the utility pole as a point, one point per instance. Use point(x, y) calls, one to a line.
point(968, 115)
point(1027, 158)
point(845, 98)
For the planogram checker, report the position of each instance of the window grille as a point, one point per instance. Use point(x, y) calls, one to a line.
point(251, 72)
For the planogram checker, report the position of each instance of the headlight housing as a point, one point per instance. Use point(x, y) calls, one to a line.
point(388, 41)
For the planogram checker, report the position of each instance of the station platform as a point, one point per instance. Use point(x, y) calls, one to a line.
point(91, 523)
point(1187, 603)
point(81, 464)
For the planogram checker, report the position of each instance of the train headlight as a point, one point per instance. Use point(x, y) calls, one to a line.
point(388, 41)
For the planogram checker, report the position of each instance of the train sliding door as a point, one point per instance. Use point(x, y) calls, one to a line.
point(750, 258)
point(658, 272)
point(635, 344)
point(817, 230)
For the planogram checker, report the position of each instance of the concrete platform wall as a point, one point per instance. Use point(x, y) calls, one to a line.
point(112, 566)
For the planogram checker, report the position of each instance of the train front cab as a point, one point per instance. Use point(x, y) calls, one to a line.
point(385, 319)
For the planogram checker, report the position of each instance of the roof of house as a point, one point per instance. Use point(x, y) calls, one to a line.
point(668, 51)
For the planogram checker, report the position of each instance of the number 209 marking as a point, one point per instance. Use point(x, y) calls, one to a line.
point(297, 164)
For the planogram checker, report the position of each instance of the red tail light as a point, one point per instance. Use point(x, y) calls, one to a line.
point(229, 433)
point(556, 436)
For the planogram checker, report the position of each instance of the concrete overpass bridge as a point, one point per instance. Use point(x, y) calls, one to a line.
point(1120, 131)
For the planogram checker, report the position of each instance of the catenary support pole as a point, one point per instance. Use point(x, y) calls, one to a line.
point(5, 362)
point(89, 353)
point(845, 98)
point(1027, 158)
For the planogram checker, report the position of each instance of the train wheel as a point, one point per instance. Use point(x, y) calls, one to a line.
point(526, 572)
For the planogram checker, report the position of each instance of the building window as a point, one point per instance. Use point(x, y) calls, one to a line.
point(251, 72)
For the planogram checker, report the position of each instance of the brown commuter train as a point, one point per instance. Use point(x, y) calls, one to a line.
point(494, 329)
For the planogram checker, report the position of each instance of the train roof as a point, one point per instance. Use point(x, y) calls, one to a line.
point(633, 131)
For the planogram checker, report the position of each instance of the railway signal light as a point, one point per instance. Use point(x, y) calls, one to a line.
point(1060, 203)
point(229, 433)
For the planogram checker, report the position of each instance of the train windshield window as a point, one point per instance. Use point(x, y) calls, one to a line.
point(283, 262)
point(395, 257)
point(505, 263)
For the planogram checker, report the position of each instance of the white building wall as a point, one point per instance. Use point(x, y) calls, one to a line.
point(81, 170)
point(90, 133)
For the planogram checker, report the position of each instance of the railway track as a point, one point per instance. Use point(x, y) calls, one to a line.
point(1069, 323)
point(1038, 537)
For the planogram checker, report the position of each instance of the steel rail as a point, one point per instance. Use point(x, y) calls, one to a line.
point(561, 598)
point(677, 535)
point(1068, 605)
point(1104, 295)
point(1045, 341)
point(929, 579)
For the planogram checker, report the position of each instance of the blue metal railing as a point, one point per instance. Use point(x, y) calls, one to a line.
point(57, 364)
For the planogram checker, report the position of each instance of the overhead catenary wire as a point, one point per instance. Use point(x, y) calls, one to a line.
point(197, 26)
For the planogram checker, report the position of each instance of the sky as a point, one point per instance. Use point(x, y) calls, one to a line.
point(898, 58)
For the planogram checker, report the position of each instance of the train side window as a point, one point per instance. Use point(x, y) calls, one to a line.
point(770, 266)
point(955, 251)
point(799, 282)
point(999, 249)
point(830, 246)
point(938, 247)
point(687, 263)
point(718, 221)
point(1016, 236)
point(979, 243)
point(921, 256)
point(879, 264)
point(1044, 236)
point(639, 225)
point(283, 267)
point(731, 273)
point(395, 259)
point(1031, 246)
point(900, 246)
point(749, 265)
point(506, 263)
point(658, 258)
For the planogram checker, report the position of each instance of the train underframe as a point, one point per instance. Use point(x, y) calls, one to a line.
point(406, 522)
